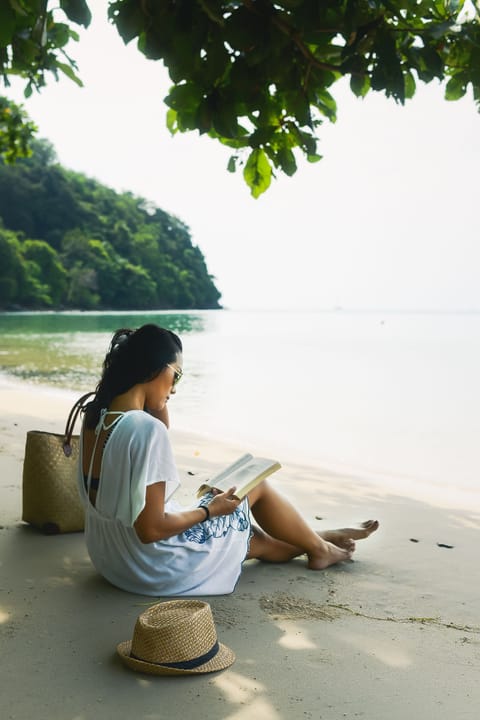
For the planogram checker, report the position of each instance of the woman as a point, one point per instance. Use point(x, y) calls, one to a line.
point(138, 537)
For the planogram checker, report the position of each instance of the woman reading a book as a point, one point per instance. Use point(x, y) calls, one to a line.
point(138, 536)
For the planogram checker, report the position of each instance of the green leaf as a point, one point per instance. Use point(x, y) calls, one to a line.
point(387, 73)
point(7, 24)
point(186, 120)
point(456, 87)
point(303, 139)
point(232, 164)
point(299, 106)
point(59, 34)
point(77, 11)
point(224, 121)
point(203, 118)
point(234, 143)
point(438, 30)
point(68, 71)
point(326, 104)
point(130, 21)
point(221, 113)
point(172, 121)
point(216, 64)
point(25, 53)
point(185, 97)
point(244, 30)
point(360, 85)
point(428, 63)
point(17, 5)
point(410, 85)
point(257, 172)
point(286, 160)
point(433, 60)
point(212, 10)
point(262, 135)
point(476, 95)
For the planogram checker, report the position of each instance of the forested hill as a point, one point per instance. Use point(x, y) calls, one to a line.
point(67, 241)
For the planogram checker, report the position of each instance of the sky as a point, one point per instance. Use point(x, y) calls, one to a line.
point(387, 220)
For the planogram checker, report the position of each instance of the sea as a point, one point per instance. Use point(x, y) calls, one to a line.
point(389, 397)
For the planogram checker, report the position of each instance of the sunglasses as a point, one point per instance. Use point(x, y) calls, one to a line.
point(178, 374)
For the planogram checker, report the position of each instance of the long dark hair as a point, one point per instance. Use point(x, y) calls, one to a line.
point(134, 356)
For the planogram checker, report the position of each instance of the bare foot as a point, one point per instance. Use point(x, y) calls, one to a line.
point(345, 537)
point(328, 555)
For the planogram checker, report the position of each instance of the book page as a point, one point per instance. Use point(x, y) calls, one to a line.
point(244, 474)
point(216, 479)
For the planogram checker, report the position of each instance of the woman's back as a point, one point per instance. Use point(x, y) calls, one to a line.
point(199, 561)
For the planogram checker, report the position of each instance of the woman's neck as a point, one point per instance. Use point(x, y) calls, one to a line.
point(133, 399)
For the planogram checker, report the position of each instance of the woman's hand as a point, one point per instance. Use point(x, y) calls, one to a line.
point(223, 503)
point(154, 523)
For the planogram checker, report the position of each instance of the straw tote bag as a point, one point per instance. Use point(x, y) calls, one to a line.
point(51, 501)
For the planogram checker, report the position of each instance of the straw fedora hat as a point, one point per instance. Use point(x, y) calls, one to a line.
point(177, 637)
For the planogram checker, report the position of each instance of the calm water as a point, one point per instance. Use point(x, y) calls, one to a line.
point(381, 395)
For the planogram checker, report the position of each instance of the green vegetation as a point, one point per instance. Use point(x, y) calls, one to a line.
point(257, 75)
point(67, 241)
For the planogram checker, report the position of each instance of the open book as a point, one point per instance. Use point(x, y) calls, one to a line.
point(245, 473)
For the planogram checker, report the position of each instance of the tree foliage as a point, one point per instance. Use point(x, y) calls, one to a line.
point(68, 241)
point(16, 131)
point(33, 40)
point(258, 75)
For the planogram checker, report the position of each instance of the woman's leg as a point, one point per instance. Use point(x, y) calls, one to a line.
point(345, 537)
point(269, 549)
point(286, 534)
point(283, 534)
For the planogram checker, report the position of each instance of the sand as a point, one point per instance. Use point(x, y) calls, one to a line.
point(393, 634)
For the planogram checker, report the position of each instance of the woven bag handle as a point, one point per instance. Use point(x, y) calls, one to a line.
point(72, 419)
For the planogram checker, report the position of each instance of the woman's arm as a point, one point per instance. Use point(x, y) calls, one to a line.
point(154, 523)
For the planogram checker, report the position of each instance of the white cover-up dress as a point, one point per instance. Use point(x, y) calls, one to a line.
point(203, 560)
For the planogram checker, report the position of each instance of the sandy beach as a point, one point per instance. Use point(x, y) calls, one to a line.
point(393, 634)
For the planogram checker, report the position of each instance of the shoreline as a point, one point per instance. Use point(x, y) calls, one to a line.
point(399, 626)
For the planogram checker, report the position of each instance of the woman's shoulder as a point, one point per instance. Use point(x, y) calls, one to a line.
point(142, 422)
